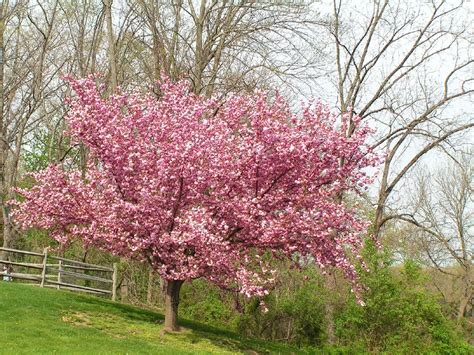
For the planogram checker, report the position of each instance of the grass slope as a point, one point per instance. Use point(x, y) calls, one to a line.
point(39, 321)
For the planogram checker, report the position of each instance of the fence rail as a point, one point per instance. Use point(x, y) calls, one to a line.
point(60, 270)
point(84, 265)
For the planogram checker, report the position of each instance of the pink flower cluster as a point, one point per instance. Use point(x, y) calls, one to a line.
point(203, 187)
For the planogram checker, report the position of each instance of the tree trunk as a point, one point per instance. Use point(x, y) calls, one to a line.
point(6, 229)
point(150, 287)
point(171, 305)
point(330, 285)
point(111, 45)
point(379, 212)
point(162, 295)
point(466, 295)
point(124, 289)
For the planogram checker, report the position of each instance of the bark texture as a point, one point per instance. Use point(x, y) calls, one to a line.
point(171, 305)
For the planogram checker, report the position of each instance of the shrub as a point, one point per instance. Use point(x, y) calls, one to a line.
point(400, 316)
point(295, 311)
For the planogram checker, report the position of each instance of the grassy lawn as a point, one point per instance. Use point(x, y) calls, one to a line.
point(45, 321)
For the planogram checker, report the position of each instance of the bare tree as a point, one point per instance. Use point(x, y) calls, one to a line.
point(443, 214)
point(83, 36)
point(383, 61)
point(28, 81)
point(226, 46)
point(401, 69)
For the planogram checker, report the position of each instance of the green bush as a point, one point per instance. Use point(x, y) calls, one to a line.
point(204, 302)
point(295, 311)
point(399, 315)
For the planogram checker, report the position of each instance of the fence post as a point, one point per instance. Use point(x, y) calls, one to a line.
point(60, 268)
point(114, 282)
point(45, 261)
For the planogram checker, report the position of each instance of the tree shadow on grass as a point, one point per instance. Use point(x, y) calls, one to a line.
point(193, 332)
point(233, 341)
point(127, 311)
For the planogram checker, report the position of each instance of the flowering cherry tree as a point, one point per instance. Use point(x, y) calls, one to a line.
point(202, 187)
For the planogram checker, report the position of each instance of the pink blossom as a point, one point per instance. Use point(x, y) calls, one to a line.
point(199, 187)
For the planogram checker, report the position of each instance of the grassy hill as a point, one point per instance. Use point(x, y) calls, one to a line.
point(35, 320)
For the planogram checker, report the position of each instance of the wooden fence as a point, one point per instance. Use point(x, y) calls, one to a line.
point(53, 270)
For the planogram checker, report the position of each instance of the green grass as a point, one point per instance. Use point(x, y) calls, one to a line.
point(44, 321)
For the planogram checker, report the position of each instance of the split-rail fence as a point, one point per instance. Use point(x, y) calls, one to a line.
point(52, 271)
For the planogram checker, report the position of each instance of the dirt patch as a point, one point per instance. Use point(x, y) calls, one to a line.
point(77, 318)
